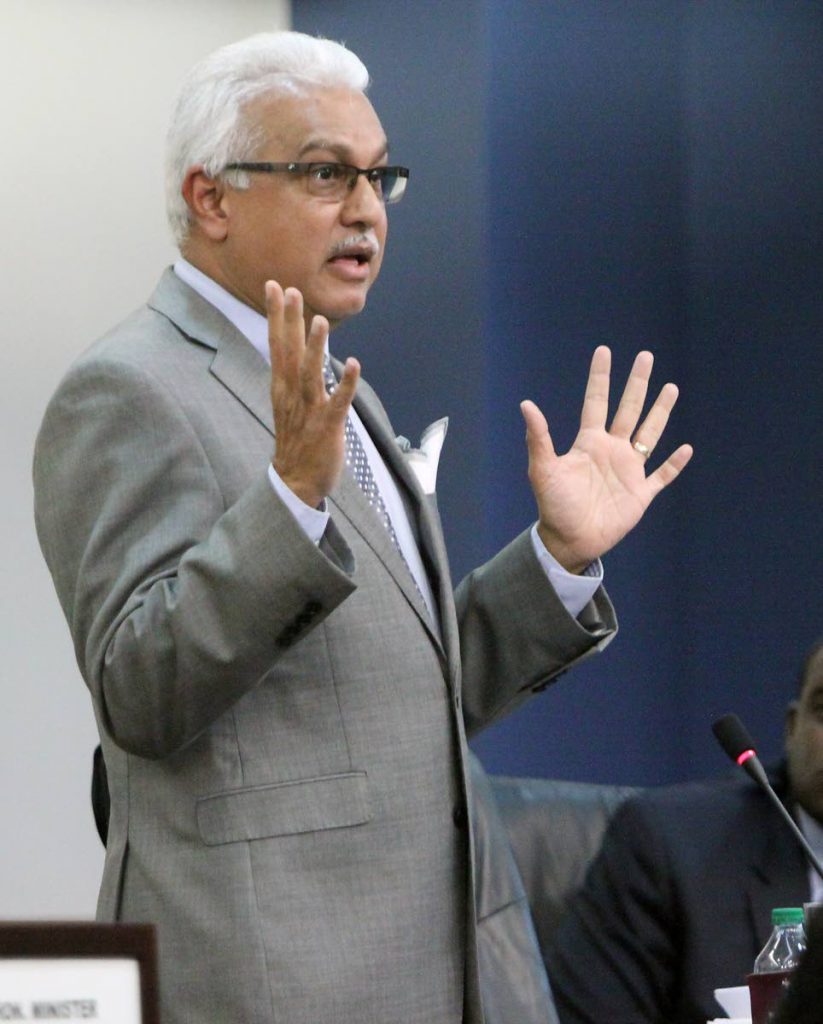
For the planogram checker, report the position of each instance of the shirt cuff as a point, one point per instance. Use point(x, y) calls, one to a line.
point(312, 521)
point(574, 592)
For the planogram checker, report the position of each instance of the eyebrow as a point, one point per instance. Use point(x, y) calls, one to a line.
point(340, 149)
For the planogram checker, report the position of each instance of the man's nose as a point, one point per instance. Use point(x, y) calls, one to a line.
point(362, 204)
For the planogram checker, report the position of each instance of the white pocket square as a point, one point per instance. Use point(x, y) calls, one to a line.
point(424, 460)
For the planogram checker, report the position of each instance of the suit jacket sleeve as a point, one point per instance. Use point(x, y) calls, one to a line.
point(516, 636)
point(178, 602)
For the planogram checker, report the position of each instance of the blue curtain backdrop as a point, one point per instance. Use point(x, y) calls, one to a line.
point(647, 175)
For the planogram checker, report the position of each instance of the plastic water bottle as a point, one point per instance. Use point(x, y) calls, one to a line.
point(775, 963)
point(785, 944)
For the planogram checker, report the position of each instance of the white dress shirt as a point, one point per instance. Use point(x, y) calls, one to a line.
point(575, 592)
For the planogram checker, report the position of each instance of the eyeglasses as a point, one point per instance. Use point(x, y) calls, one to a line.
point(336, 181)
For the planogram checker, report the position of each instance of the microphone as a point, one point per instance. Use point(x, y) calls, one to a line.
point(732, 736)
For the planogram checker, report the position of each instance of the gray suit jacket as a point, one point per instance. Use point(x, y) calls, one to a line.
point(284, 733)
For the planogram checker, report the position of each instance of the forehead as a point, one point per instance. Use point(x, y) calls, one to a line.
point(340, 121)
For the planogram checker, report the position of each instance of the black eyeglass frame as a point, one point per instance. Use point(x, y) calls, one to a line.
point(373, 174)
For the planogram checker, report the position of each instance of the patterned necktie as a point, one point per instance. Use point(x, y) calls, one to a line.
point(360, 469)
point(358, 464)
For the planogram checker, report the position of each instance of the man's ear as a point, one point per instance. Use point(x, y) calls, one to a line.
point(204, 197)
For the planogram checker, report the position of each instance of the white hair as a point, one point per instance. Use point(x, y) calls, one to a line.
point(208, 126)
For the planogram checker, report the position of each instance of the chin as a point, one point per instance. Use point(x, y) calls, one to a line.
point(336, 312)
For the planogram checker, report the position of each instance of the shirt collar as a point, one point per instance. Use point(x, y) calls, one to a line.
point(248, 321)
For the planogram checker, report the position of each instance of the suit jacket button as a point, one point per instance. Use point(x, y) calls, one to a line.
point(459, 815)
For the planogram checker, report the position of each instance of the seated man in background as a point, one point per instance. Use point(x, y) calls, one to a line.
point(678, 901)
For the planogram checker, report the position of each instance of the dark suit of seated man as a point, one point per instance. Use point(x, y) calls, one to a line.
point(678, 902)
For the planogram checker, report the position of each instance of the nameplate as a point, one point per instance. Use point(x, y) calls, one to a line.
point(78, 971)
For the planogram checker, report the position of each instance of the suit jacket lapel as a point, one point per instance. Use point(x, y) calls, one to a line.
point(353, 504)
point(236, 363)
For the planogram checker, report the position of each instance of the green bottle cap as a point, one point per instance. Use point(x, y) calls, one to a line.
point(787, 915)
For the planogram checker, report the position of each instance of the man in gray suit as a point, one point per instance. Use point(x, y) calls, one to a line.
point(281, 673)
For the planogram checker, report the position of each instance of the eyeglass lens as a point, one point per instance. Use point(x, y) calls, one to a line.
point(334, 179)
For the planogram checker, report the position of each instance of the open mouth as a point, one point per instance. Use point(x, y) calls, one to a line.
point(355, 252)
point(358, 255)
point(359, 258)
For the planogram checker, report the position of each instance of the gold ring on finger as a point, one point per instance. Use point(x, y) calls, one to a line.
point(643, 449)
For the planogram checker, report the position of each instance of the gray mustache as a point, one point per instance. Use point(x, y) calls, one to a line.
point(367, 240)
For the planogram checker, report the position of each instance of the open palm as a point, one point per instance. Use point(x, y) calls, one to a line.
point(591, 497)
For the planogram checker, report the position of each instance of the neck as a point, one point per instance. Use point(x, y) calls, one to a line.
point(207, 261)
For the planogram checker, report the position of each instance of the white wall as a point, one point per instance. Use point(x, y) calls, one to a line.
point(86, 87)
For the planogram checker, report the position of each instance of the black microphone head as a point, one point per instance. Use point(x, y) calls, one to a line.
point(732, 736)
